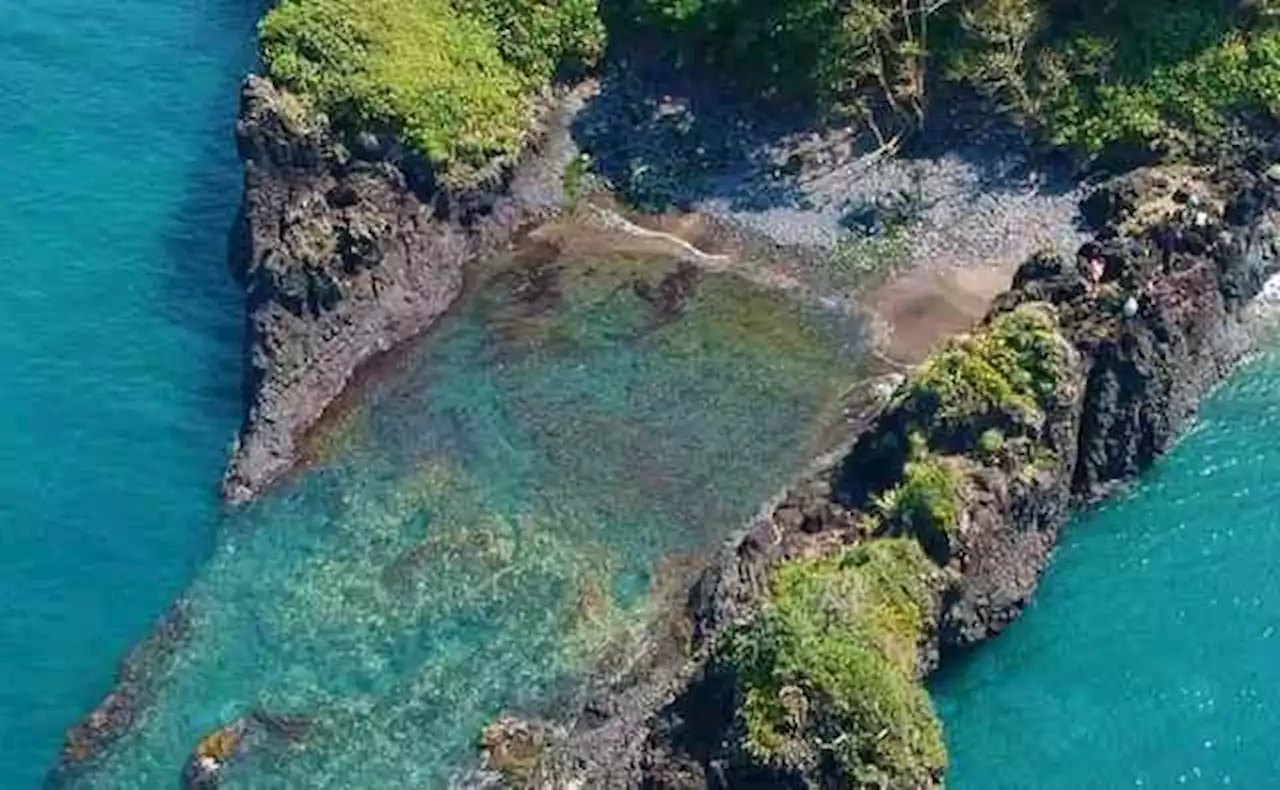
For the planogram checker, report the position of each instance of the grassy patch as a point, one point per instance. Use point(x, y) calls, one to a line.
point(452, 80)
point(829, 668)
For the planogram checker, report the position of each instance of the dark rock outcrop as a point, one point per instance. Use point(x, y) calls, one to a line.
point(348, 248)
point(1151, 317)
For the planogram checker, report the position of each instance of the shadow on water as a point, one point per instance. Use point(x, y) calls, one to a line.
point(199, 292)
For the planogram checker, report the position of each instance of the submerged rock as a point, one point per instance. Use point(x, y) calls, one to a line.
point(512, 749)
point(133, 693)
point(212, 755)
point(220, 748)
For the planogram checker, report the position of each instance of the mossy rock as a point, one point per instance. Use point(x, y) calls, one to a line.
point(828, 674)
point(221, 745)
point(515, 749)
point(1002, 377)
point(1003, 374)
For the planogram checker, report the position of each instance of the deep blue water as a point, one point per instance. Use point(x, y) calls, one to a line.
point(119, 336)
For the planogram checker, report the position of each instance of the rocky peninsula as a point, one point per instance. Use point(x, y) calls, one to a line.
point(346, 251)
point(797, 654)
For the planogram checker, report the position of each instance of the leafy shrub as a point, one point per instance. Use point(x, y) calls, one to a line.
point(1168, 76)
point(453, 81)
point(541, 37)
point(1176, 107)
point(829, 668)
point(990, 444)
point(927, 501)
point(1007, 369)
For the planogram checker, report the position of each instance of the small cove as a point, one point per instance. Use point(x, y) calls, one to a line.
point(1147, 662)
point(496, 509)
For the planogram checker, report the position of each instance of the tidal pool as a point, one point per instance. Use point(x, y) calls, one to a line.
point(494, 510)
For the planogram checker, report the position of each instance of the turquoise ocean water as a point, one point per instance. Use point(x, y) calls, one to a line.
point(466, 541)
point(119, 335)
point(489, 518)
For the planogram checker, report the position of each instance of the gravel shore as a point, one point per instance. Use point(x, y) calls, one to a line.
point(968, 195)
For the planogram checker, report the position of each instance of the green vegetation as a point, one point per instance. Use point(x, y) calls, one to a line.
point(980, 399)
point(990, 444)
point(874, 242)
point(1165, 76)
point(577, 178)
point(540, 38)
point(927, 501)
point(829, 54)
point(453, 79)
point(861, 261)
point(829, 668)
point(1008, 368)
point(1040, 460)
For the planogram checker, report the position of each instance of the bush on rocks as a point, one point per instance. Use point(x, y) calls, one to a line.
point(1002, 373)
point(927, 499)
point(998, 381)
point(827, 674)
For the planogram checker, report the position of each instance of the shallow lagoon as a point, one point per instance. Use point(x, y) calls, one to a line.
point(490, 513)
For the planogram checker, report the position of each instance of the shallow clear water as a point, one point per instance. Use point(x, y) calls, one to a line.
point(119, 336)
point(493, 513)
point(1151, 657)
